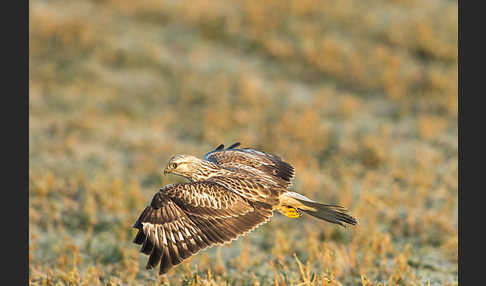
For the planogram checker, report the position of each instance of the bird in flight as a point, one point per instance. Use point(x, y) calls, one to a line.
point(230, 192)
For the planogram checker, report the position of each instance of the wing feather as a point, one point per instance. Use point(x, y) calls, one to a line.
point(183, 219)
point(253, 163)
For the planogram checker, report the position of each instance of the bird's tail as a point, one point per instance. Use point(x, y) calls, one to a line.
point(292, 202)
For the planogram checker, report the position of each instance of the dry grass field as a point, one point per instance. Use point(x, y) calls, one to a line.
point(360, 96)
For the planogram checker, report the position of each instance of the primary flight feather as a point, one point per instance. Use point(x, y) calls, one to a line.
point(229, 193)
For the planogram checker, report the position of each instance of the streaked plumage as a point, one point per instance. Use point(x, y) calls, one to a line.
point(253, 163)
point(231, 192)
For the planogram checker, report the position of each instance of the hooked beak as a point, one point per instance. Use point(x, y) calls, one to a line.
point(166, 171)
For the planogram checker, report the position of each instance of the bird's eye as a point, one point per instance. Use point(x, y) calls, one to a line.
point(173, 165)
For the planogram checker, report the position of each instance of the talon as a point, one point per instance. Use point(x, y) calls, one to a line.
point(292, 212)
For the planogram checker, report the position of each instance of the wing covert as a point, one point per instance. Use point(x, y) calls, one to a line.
point(252, 162)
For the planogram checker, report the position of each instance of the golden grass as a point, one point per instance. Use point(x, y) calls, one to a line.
point(360, 98)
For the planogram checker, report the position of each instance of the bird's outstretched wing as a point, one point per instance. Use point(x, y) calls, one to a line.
point(185, 218)
point(253, 162)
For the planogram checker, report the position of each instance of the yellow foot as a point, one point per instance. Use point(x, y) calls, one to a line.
point(290, 212)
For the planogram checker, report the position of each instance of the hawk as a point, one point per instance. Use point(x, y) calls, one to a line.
point(230, 192)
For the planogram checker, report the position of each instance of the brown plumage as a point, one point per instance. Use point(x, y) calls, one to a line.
point(253, 162)
point(230, 193)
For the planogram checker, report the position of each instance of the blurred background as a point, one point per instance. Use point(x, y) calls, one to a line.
point(359, 96)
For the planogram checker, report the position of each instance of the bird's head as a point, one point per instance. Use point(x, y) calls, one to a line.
point(182, 165)
point(189, 167)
